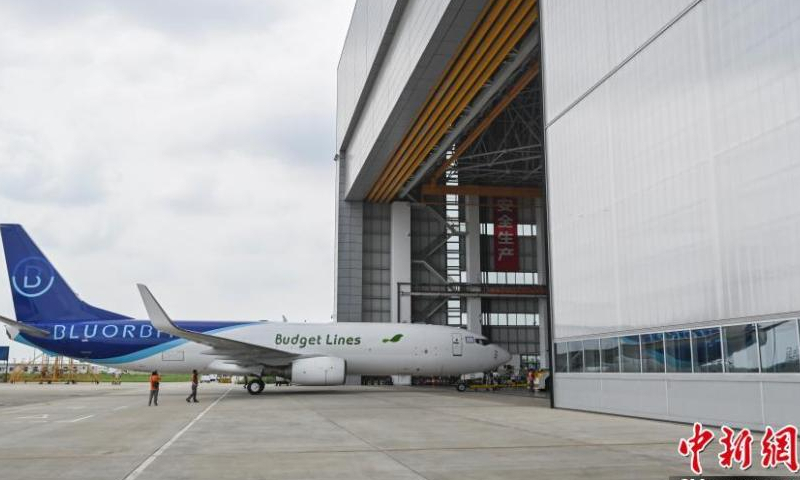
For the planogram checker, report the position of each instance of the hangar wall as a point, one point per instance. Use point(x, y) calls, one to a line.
point(365, 38)
point(415, 55)
point(672, 174)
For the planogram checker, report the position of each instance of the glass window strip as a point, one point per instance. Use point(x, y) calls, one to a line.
point(717, 352)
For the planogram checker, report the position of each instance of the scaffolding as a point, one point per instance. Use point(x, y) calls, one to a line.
point(49, 369)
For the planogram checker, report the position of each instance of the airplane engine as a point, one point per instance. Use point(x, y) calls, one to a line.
point(318, 371)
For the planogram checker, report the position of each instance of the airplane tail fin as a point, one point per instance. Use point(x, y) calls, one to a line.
point(38, 290)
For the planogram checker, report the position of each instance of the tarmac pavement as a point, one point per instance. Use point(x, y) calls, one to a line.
point(86, 432)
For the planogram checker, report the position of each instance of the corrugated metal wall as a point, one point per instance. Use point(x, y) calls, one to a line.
point(376, 259)
point(347, 281)
point(673, 191)
point(673, 185)
point(367, 27)
point(419, 21)
point(587, 38)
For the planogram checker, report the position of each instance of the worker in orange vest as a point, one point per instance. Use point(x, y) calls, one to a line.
point(155, 380)
point(193, 395)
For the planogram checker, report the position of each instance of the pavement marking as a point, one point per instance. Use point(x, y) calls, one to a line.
point(76, 419)
point(143, 466)
point(37, 417)
point(121, 407)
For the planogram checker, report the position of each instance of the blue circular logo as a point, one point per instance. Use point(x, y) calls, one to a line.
point(32, 277)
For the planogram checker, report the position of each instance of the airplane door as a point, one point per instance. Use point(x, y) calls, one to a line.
point(458, 347)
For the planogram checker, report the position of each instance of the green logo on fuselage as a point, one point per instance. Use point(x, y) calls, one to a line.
point(394, 339)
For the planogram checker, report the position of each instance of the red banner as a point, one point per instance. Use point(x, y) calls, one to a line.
point(506, 246)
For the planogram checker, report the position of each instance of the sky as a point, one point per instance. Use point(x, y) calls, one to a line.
point(185, 144)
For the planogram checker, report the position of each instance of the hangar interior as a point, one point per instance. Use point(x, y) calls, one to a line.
point(440, 208)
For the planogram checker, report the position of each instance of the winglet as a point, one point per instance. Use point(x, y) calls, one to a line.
point(24, 328)
point(158, 317)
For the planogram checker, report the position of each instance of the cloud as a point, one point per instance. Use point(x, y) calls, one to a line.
point(33, 173)
point(173, 17)
point(186, 144)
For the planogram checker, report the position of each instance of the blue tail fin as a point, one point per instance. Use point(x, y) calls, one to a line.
point(39, 292)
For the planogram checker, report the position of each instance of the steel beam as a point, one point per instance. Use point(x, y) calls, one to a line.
point(481, 190)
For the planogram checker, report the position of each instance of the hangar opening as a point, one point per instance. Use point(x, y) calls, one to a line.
point(441, 215)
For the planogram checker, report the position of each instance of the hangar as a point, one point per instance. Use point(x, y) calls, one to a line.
point(608, 186)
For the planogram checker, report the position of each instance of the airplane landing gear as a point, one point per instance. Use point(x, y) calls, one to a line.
point(255, 386)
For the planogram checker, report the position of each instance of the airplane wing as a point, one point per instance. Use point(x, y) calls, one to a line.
point(241, 353)
point(24, 328)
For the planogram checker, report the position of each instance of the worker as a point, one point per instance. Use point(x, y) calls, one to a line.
point(531, 379)
point(155, 380)
point(193, 395)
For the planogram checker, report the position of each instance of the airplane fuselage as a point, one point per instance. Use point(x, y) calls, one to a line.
point(366, 348)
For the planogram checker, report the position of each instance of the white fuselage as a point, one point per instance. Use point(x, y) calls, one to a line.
point(366, 348)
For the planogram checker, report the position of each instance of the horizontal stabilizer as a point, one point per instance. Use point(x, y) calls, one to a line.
point(24, 328)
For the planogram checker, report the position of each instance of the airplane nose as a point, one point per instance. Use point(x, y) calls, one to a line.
point(503, 356)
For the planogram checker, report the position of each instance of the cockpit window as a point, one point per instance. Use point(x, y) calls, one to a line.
point(481, 341)
point(470, 339)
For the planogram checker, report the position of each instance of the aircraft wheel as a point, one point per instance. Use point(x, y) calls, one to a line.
point(255, 386)
point(461, 387)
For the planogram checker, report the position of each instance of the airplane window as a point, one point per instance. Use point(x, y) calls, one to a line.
point(470, 339)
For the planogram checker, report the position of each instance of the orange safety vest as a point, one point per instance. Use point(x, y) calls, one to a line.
point(154, 379)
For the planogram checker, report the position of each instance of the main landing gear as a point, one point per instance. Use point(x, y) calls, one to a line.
point(254, 386)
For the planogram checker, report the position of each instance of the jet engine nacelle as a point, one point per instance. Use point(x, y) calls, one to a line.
point(318, 371)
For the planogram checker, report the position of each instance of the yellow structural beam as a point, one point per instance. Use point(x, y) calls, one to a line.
point(499, 28)
point(509, 97)
point(444, 112)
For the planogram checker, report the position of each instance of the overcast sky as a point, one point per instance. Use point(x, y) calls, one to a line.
point(184, 144)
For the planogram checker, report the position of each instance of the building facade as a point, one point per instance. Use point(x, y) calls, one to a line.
point(655, 242)
point(672, 138)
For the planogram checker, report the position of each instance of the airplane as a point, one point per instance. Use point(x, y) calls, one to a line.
point(52, 318)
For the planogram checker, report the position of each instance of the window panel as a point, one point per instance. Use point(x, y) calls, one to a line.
point(653, 352)
point(609, 354)
point(576, 357)
point(740, 343)
point(591, 356)
point(631, 354)
point(530, 361)
point(707, 348)
point(778, 342)
point(678, 353)
point(562, 356)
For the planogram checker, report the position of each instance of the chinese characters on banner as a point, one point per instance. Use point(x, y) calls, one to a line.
point(777, 447)
point(506, 246)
